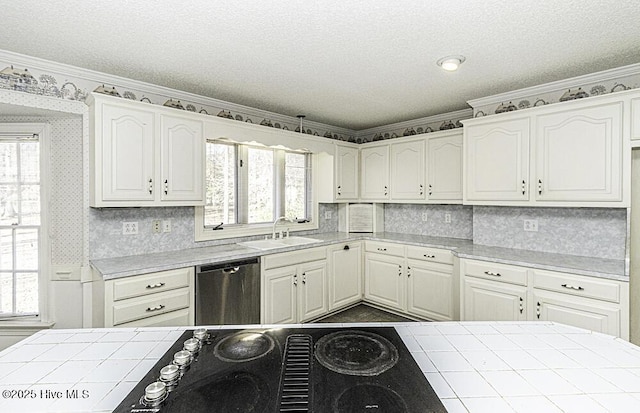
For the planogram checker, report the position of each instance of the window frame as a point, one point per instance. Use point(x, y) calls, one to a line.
point(44, 256)
point(203, 233)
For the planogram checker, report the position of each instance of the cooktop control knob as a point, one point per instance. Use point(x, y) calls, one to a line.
point(169, 373)
point(155, 391)
point(201, 334)
point(192, 345)
point(182, 358)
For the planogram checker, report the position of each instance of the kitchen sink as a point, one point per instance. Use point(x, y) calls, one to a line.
point(267, 244)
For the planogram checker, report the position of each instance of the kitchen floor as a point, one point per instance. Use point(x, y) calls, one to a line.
point(363, 313)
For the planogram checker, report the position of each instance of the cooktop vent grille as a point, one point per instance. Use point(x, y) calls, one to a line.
point(295, 392)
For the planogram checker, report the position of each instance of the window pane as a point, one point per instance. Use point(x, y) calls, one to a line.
point(6, 250)
point(8, 162)
point(8, 204)
point(260, 185)
point(221, 184)
point(30, 210)
point(295, 173)
point(30, 162)
point(6, 292)
point(26, 249)
point(27, 292)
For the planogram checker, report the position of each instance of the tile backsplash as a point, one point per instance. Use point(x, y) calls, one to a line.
point(592, 232)
point(408, 219)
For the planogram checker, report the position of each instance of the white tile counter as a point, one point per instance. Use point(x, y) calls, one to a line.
point(493, 367)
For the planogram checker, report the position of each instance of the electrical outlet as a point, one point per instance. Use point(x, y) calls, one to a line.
point(166, 225)
point(424, 217)
point(531, 225)
point(156, 226)
point(327, 214)
point(447, 218)
point(129, 228)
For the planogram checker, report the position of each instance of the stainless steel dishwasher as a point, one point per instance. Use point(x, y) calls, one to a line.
point(228, 293)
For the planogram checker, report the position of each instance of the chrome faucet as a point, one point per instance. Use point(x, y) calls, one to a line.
point(273, 233)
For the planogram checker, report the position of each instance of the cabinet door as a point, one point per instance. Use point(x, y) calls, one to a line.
point(127, 154)
point(407, 170)
point(445, 168)
point(375, 173)
point(182, 154)
point(493, 301)
point(345, 281)
point(593, 315)
point(579, 154)
point(635, 119)
point(497, 161)
point(385, 280)
point(429, 290)
point(347, 171)
point(279, 296)
point(312, 290)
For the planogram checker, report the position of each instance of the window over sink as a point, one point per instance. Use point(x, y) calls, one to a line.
point(249, 186)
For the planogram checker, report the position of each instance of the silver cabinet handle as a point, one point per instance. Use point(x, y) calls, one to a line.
point(150, 186)
point(152, 286)
point(428, 256)
point(572, 287)
point(521, 305)
point(381, 249)
point(430, 189)
point(156, 308)
point(408, 271)
point(538, 310)
point(386, 190)
point(495, 274)
point(539, 187)
point(523, 187)
point(304, 278)
point(295, 279)
point(399, 270)
point(166, 187)
point(421, 189)
point(339, 190)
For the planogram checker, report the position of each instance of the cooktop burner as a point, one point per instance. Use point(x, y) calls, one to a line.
point(243, 346)
point(357, 353)
point(318, 370)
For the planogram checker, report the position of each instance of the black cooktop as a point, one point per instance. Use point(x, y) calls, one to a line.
point(363, 369)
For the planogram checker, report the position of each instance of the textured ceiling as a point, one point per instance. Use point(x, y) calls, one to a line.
point(349, 63)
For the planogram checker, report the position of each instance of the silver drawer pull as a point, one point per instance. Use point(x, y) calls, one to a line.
point(152, 286)
point(571, 287)
point(382, 249)
point(495, 274)
point(429, 256)
point(156, 308)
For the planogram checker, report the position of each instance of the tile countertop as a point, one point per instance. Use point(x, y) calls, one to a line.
point(472, 366)
point(112, 268)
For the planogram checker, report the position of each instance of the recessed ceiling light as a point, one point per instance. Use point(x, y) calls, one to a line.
point(450, 63)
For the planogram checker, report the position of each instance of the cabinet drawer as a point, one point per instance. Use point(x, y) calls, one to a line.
point(430, 254)
point(172, 319)
point(151, 283)
point(577, 285)
point(385, 248)
point(151, 305)
point(294, 257)
point(496, 272)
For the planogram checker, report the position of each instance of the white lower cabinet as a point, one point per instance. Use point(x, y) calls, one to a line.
point(499, 292)
point(296, 292)
point(163, 298)
point(345, 274)
point(493, 301)
point(417, 281)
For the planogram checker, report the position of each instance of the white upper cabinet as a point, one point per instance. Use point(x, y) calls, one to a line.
point(444, 166)
point(347, 169)
point(579, 154)
point(407, 170)
point(124, 157)
point(497, 160)
point(375, 173)
point(182, 154)
point(143, 155)
point(635, 119)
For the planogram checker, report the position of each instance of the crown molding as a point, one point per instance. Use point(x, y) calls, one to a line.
point(89, 75)
point(459, 114)
point(597, 77)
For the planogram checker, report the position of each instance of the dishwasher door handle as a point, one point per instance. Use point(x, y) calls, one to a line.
point(231, 270)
